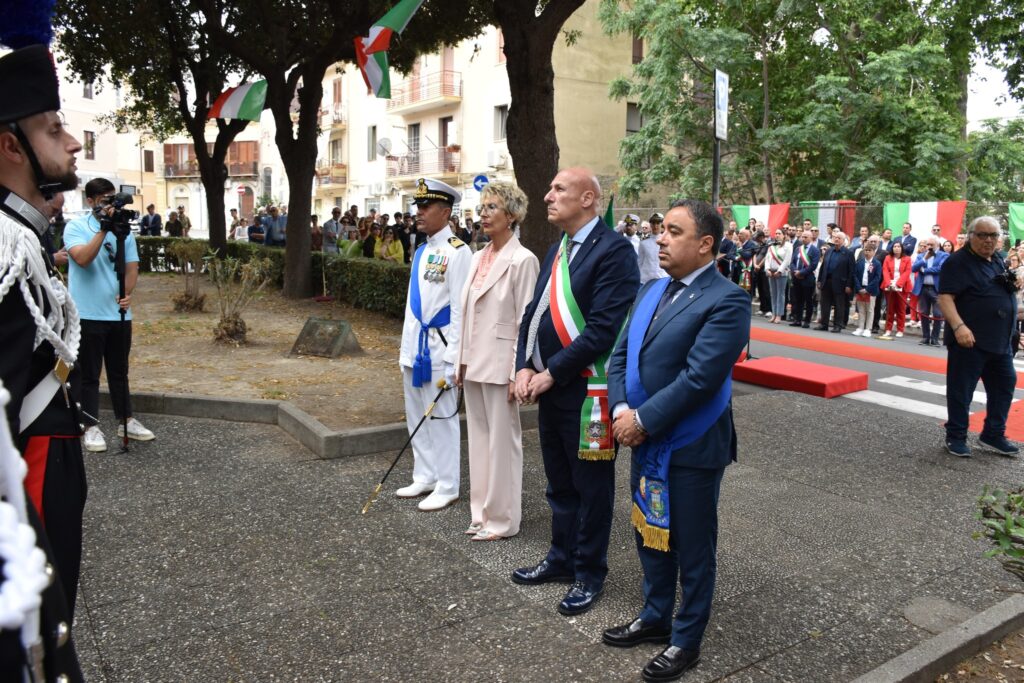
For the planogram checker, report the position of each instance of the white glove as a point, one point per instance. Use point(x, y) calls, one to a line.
point(449, 374)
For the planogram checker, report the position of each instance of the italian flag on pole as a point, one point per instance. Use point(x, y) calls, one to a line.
point(371, 50)
point(241, 102)
point(1016, 222)
point(772, 215)
point(923, 215)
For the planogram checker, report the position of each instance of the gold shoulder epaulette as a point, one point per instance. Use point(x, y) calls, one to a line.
point(456, 242)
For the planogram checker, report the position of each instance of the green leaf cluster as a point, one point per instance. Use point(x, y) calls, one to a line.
point(828, 98)
point(1001, 514)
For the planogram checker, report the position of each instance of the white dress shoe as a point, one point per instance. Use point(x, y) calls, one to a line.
point(136, 431)
point(414, 489)
point(94, 441)
point(437, 501)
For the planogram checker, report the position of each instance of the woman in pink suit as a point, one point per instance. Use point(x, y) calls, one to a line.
point(499, 287)
point(895, 286)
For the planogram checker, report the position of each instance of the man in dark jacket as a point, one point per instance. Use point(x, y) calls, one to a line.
point(836, 283)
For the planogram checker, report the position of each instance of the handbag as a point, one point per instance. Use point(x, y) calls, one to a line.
point(863, 298)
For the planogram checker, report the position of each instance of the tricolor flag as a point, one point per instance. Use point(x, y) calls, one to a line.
point(772, 215)
point(241, 102)
point(1016, 211)
point(371, 50)
point(923, 215)
point(820, 214)
point(609, 213)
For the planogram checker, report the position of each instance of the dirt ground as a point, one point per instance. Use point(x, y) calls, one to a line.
point(1002, 662)
point(175, 353)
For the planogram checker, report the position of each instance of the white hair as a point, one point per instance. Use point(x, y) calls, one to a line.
point(990, 220)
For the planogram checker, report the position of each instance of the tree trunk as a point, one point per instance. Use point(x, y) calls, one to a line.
point(298, 154)
point(532, 140)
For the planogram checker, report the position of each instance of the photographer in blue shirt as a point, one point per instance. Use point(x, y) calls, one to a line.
point(978, 298)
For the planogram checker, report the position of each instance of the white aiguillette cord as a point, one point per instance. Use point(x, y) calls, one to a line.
point(24, 574)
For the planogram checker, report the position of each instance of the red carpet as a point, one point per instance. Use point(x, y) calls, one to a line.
point(797, 375)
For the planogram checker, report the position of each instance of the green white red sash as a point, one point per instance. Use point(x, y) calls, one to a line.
point(595, 417)
point(777, 254)
point(803, 256)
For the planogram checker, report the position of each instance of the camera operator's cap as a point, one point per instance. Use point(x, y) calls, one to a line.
point(631, 219)
point(430, 190)
point(656, 218)
point(29, 81)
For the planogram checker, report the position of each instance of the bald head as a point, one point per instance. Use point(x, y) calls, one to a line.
point(572, 198)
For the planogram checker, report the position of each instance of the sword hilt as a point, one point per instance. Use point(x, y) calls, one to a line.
point(373, 497)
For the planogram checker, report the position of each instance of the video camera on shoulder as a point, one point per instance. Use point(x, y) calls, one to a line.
point(119, 221)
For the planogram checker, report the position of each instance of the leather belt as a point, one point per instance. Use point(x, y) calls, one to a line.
point(39, 397)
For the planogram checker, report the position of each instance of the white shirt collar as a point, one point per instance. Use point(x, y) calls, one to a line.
point(440, 236)
point(688, 279)
point(583, 233)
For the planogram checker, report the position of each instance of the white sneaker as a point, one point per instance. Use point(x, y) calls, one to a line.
point(899, 334)
point(856, 333)
point(94, 441)
point(867, 334)
point(437, 501)
point(135, 431)
point(414, 490)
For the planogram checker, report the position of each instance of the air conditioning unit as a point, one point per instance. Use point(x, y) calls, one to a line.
point(497, 159)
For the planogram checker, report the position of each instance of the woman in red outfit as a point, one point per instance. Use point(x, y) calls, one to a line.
point(896, 285)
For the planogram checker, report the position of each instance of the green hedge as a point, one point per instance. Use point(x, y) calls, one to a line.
point(365, 283)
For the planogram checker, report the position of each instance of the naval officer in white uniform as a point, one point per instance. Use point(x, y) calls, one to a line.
point(430, 346)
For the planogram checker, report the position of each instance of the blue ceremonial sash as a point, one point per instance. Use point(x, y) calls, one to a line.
point(650, 516)
point(421, 367)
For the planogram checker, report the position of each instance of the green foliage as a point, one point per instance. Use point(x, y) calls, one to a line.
point(237, 282)
point(1001, 513)
point(373, 284)
point(830, 98)
point(995, 167)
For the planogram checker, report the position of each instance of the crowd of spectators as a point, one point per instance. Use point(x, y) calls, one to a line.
point(877, 283)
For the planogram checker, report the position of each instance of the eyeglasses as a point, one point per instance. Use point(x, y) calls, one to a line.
point(490, 208)
point(986, 235)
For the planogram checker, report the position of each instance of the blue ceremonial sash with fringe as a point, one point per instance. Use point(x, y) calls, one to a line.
point(422, 370)
point(650, 516)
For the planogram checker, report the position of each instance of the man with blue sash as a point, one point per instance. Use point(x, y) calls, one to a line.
point(670, 387)
point(430, 346)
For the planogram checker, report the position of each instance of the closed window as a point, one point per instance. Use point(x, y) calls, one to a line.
point(500, 122)
point(371, 143)
point(90, 145)
point(147, 160)
point(87, 91)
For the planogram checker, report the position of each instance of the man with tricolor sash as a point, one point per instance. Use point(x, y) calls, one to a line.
point(430, 346)
point(670, 386)
point(585, 286)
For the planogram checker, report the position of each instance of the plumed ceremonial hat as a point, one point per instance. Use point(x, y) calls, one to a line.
point(429, 190)
point(29, 82)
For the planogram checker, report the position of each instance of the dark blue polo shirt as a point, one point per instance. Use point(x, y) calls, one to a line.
point(985, 306)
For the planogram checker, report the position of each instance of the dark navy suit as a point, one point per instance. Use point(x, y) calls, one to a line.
point(725, 264)
point(686, 356)
point(801, 291)
point(604, 276)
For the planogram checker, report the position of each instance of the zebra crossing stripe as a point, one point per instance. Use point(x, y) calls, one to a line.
point(908, 405)
point(926, 386)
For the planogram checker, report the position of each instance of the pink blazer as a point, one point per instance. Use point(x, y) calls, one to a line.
point(491, 315)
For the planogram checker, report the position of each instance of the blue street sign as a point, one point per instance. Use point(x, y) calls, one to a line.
point(479, 182)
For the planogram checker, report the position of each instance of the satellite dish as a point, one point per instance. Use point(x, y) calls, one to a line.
point(384, 146)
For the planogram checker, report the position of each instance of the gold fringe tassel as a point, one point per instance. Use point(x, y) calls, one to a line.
point(597, 454)
point(653, 537)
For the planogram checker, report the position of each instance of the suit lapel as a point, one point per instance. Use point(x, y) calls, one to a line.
point(583, 250)
point(501, 263)
point(686, 297)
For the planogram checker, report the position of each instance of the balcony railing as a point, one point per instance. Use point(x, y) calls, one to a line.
point(328, 174)
point(190, 169)
point(333, 115)
point(425, 162)
point(445, 85)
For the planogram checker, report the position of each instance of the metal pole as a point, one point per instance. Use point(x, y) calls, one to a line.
point(716, 161)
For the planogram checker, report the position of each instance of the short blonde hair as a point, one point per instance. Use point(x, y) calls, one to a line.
point(511, 196)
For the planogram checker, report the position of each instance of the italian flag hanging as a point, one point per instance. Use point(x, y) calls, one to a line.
point(923, 215)
point(1016, 222)
point(371, 50)
point(241, 102)
point(772, 215)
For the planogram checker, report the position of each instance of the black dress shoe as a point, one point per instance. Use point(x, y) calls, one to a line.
point(821, 328)
point(795, 323)
point(936, 342)
point(836, 330)
point(806, 326)
point(540, 573)
point(580, 598)
point(671, 664)
point(634, 633)
point(924, 342)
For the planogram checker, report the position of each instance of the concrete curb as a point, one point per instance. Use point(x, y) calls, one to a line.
point(936, 655)
point(299, 424)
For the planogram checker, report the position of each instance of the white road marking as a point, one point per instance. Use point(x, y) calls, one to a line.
point(908, 405)
point(925, 385)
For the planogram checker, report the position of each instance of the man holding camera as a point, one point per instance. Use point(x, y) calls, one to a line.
point(978, 298)
point(94, 286)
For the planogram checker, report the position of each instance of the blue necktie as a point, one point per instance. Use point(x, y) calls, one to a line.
point(666, 298)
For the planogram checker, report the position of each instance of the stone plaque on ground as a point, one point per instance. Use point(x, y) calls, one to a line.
point(326, 338)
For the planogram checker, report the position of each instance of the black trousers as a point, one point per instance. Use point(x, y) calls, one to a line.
point(803, 302)
point(763, 293)
point(105, 343)
point(833, 300)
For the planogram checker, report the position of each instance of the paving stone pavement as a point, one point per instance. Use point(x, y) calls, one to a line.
point(227, 552)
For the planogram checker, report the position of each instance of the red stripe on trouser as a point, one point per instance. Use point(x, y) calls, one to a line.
point(36, 452)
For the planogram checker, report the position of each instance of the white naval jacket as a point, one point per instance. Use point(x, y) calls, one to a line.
point(433, 297)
